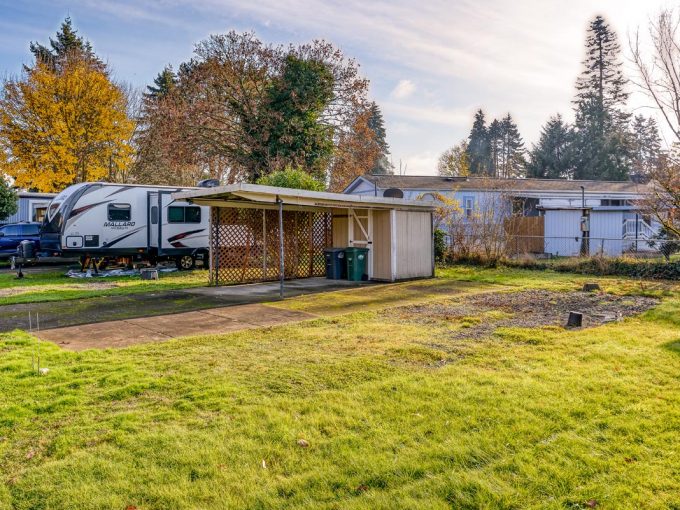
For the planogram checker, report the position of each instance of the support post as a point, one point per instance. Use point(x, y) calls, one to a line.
point(281, 263)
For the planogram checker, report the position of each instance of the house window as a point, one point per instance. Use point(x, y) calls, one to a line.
point(468, 206)
point(608, 202)
point(119, 212)
point(39, 213)
point(184, 214)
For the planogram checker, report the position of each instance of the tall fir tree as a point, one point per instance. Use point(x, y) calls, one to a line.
point(478, 146)
point(495, 141)
point(602, 141)
point(376, 123)
point(647, 153)
point(163, 84)
point(512, 150)
point(551, 157)
point(67, 43)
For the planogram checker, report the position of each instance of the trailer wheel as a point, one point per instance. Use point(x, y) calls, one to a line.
point(185, 262)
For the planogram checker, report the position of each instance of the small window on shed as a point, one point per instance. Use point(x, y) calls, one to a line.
point(119, 212)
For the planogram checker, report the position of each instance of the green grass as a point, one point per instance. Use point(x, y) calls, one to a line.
point(395, 415)
point(55, 286)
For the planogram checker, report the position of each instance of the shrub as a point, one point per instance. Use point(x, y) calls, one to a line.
point(295, 178)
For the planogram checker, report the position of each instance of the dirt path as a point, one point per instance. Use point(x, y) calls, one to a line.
point(128, 332)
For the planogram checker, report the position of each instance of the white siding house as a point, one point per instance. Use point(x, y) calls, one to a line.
point(616, 225)
point(31, 207)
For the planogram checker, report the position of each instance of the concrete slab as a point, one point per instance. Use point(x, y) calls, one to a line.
point(101, 335)
point(260, 315)
point(123, 333)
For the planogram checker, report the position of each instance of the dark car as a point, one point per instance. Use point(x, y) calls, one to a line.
point(11, 235)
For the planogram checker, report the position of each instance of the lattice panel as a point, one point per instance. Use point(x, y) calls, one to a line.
point(245, 244)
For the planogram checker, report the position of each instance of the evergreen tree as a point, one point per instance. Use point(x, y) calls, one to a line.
point(478, 146)
point(8, 200)
point(602, 142)
point(551, 157)
point(67, 43)
point(163, 83)
point(495, 141)
point(511, 149)
point(376, 123)
point(646, 146)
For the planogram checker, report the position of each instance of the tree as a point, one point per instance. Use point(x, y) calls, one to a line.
point(495, 141)
point(455, 162)
point(295, 101)
point(63, 126)
point(646, 147)
point(242, 109)
point(163, 84)
point(376, 123)
point(355, 151)
point(290, 177)
point(66, 44)
point(601, 139)
point(659, 73)
point(8, 200)
point(478, 146)
point(511, 150)
point(551, 157)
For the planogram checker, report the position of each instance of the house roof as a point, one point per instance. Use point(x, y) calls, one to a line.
point(254, 195)
point(438, 183)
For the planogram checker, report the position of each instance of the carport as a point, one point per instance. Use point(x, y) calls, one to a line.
point(264, 233)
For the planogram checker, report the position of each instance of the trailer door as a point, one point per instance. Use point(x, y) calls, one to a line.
point(154, 215)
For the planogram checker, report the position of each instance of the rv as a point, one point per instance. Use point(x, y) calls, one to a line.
point(100, 222)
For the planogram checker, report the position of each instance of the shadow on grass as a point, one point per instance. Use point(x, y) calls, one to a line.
point(673, 346)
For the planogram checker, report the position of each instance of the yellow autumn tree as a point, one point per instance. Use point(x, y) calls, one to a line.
point(65, 124)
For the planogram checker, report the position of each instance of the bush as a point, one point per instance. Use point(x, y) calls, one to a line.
point(292, 178)
point(439, 245)
point(603, 266)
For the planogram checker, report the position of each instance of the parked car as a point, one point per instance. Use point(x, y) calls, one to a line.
point(11, 235)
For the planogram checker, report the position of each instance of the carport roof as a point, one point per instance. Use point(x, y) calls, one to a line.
point(255, 195)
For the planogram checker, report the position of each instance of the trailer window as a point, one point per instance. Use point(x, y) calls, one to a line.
point(154, 214)
point(178, 214)
point(119, 212)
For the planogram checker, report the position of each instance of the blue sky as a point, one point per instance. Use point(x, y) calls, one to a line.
point(431, 63)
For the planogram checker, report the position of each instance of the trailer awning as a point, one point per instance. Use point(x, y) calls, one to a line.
point(265, 197)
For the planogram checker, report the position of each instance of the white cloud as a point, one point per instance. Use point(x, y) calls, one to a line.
point(403, 89)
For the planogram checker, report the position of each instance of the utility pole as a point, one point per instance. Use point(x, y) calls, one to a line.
point(585, 225)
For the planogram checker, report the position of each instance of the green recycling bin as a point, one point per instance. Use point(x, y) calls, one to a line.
point(356, 263)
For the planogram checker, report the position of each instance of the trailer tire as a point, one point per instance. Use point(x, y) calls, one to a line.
point(185, 262)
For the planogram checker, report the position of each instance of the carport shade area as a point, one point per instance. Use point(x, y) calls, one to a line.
point(263, 233)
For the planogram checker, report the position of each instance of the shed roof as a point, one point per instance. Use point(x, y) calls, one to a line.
point(255, 195)
point(439, 183)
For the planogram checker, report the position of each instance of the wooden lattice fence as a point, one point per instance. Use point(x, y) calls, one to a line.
point(245, 244)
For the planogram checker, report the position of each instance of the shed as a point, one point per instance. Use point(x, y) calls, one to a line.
point(261, 233)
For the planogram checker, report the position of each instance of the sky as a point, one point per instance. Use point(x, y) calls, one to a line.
point(431, 63)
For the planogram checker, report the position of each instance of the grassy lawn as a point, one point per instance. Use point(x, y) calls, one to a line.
point(396, 409)
point(55, 286)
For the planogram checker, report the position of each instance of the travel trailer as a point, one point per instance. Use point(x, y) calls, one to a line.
point(101, 222)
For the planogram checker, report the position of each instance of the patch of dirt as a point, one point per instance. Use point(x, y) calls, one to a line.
point(479, 315)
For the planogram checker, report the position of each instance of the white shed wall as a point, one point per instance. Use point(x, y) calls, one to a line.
point(606, 233)
point(413, 240)
point(563, 232)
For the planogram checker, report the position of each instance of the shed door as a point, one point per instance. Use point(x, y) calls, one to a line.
point(360, 233)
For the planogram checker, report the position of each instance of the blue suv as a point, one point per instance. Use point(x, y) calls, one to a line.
point(11, 235)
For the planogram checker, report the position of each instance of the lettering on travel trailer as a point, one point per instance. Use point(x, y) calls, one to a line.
point(125, 221)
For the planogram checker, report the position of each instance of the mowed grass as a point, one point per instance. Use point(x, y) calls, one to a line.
point(56, 286)
point(393, 414)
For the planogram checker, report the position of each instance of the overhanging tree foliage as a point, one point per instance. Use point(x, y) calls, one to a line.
point(8, 200)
